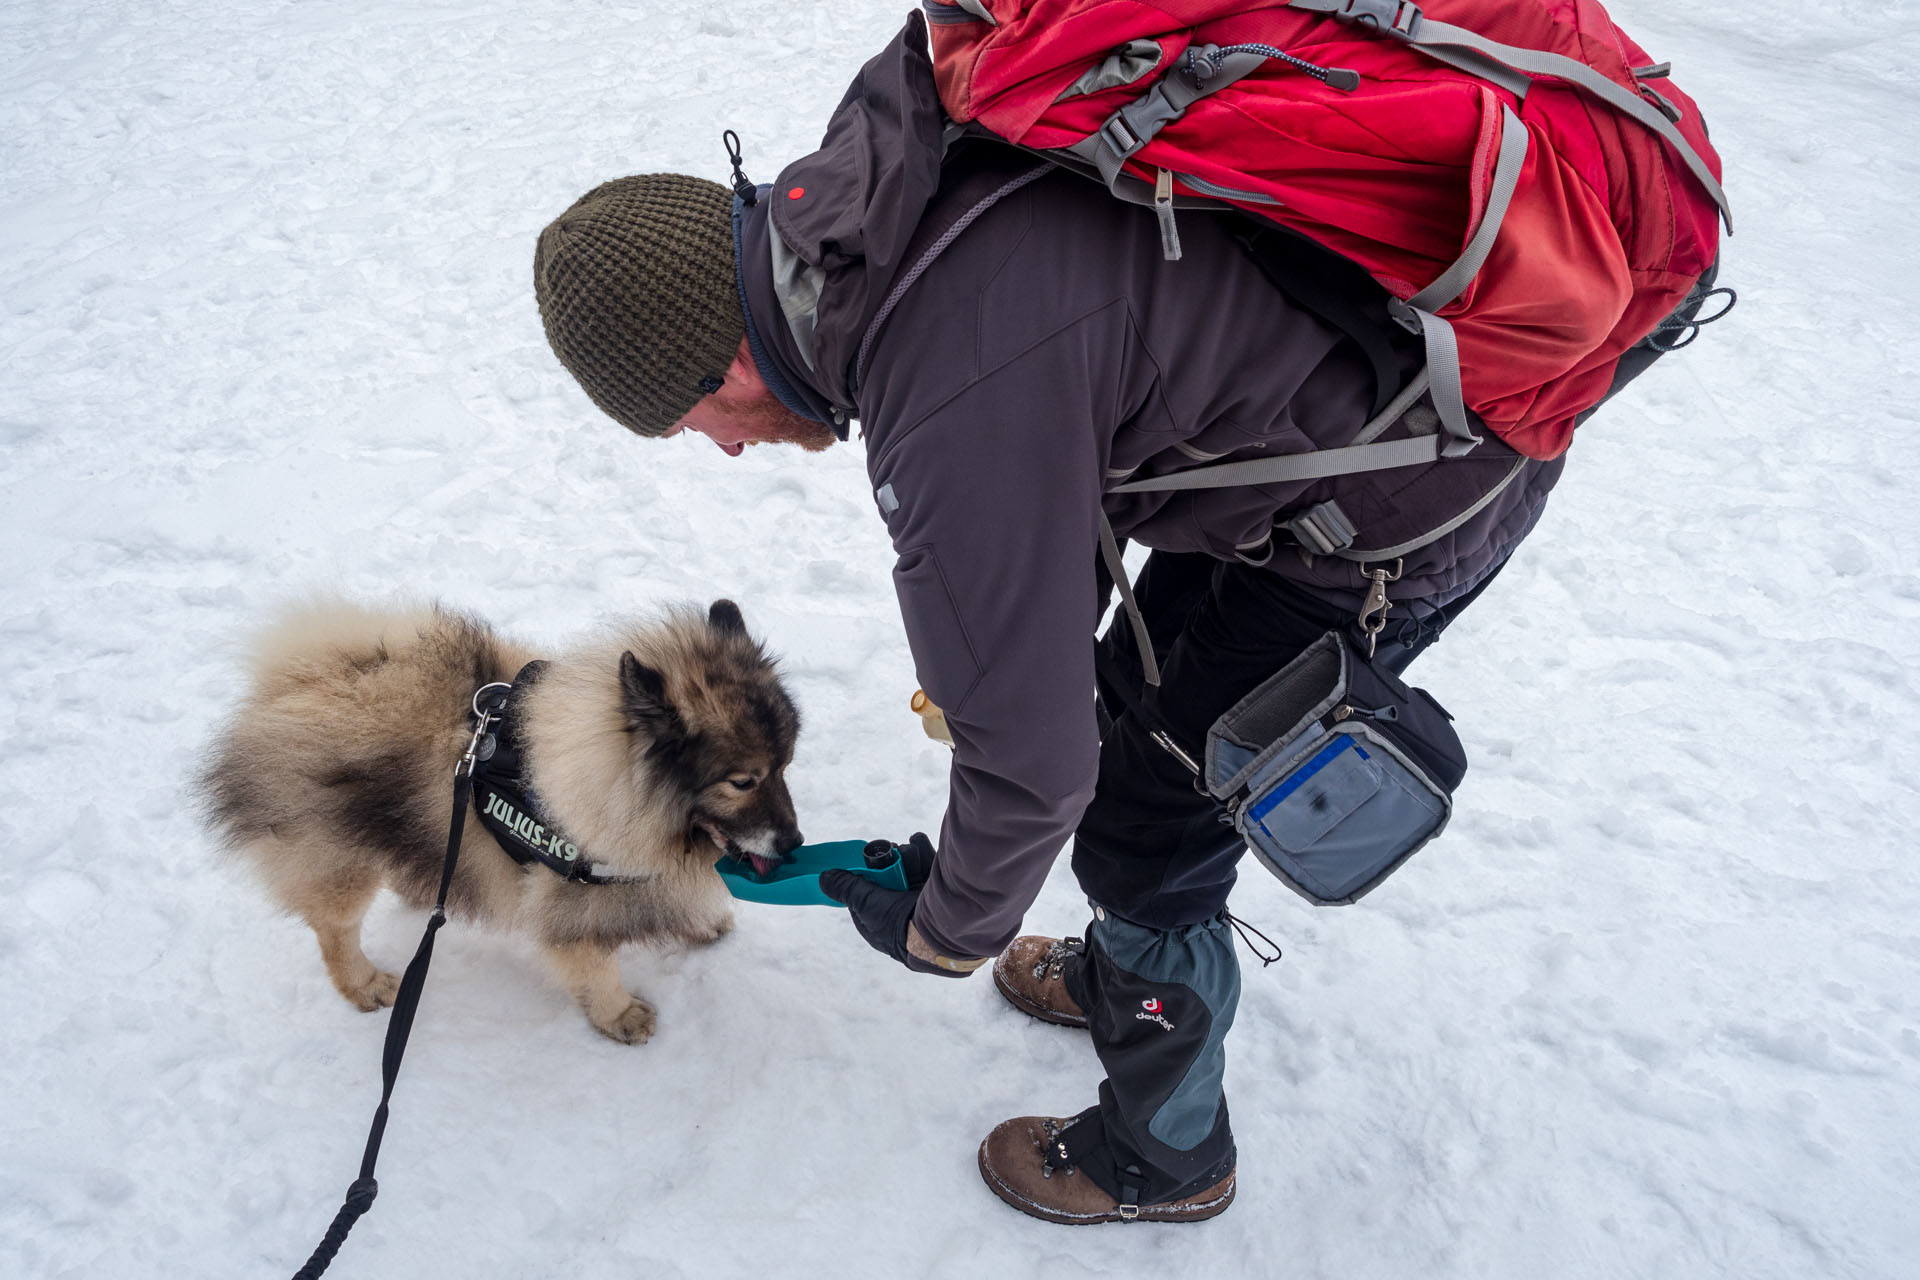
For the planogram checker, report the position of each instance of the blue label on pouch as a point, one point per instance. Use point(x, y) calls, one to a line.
point(1300, 776)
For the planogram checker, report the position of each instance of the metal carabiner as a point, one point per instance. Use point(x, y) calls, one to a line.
point(1373, 613)
point(483, 718)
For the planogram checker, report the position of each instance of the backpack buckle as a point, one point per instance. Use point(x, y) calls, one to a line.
point(1120, 137)
point(1322, 529)
point(1402, 17)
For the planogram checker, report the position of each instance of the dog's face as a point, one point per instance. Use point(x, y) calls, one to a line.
point(721, 732)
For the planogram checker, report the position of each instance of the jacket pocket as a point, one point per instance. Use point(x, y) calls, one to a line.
point(943, 656)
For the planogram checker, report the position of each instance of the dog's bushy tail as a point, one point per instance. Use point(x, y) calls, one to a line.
point(323, 628)
point(338, 691)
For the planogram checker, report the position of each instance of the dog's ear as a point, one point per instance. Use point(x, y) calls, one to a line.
point(725, 618)
point(643, 697)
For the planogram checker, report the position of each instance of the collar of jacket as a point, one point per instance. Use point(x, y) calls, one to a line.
point(845, 229)
point(772, 319)
point(838, 223)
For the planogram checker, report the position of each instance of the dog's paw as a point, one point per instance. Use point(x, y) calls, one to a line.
point(377, 992)
point(632, 1025)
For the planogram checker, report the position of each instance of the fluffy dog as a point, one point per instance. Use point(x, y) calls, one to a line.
point(653, 750)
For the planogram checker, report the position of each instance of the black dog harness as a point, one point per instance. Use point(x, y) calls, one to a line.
point(512, 813)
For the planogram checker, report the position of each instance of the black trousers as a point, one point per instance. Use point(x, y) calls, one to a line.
point(1157, 859)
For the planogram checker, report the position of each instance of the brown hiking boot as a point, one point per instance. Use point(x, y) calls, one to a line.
point(1031, 974)
point(1013, 1163)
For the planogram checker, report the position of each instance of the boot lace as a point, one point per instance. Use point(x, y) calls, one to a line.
point(1053, 1152)
point(1053, 964)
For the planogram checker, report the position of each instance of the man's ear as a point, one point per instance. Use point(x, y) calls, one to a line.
point(743, 375)
point(643, 696)
point(742, 369)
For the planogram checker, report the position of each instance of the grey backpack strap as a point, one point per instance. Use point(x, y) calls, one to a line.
point(1134, 125)
point(1204, 70)
point(1353, 459)
point(1420, 313)
point(1117, 570)
point(1491, 60)
point(1294, 467)
point(1326, 529)
point(1440, 378)
point(1360, 456)
point(1433, 37)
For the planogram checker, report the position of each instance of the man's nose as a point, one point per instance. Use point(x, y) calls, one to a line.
point(733, 450)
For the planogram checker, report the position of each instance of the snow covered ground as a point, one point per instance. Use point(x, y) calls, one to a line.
point(1650, 1009)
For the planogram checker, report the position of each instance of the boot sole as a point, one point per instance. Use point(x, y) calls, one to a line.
point(1039, 1011)
point(1220, 1195)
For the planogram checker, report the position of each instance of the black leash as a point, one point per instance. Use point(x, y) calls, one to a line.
point(487, 704)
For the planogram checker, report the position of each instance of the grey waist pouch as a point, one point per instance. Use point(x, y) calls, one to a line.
point(1335, 771)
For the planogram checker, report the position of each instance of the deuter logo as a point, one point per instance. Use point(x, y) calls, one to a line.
point(1150, 1012)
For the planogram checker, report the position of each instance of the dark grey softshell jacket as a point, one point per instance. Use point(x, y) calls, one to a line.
point(1004, 376)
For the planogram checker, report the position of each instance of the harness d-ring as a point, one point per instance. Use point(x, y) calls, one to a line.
point(497, 684)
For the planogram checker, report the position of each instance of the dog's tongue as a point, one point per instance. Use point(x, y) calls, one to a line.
point(762, 866)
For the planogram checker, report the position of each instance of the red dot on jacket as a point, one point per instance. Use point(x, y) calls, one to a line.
point(796, 193)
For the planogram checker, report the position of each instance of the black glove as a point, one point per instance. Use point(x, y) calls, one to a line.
point(882, 915)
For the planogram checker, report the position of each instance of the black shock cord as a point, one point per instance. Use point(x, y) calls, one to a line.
point(1673, 333)
point(742, 185)
point(1204, 65)
point(1242, 928)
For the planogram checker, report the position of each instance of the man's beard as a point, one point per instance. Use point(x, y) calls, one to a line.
point(774, 423)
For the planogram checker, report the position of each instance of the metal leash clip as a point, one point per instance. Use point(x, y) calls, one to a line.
point(481, 745)
point(1373, 613)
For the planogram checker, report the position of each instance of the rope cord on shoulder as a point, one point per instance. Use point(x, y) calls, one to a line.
point(406, 1002)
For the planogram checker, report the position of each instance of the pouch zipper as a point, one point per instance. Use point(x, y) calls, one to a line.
point(1391, 726)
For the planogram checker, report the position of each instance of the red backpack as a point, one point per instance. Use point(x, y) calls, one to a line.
point(1528, 186)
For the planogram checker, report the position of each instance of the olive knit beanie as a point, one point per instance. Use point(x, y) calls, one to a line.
point(636, 290)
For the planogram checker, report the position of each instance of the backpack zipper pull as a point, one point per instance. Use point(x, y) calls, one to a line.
point(1202, 65)
point(1163, 210)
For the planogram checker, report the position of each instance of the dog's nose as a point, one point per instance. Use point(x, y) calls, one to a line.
point(787, 842)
